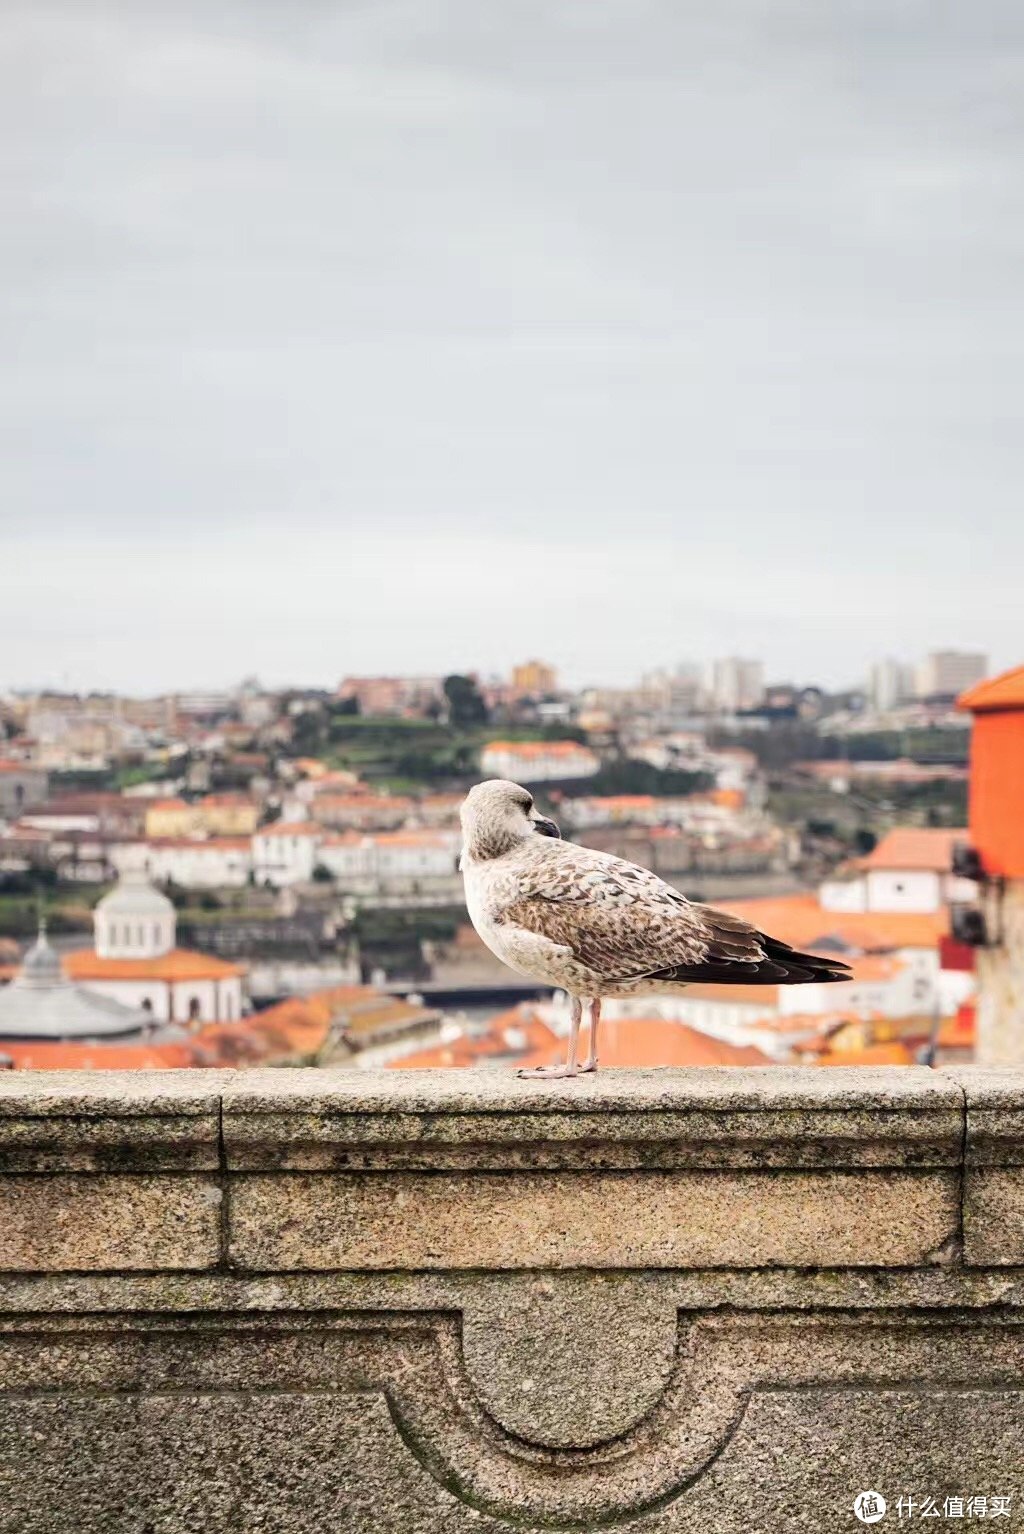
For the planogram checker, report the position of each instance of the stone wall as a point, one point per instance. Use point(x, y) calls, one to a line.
point(306, 1301)
point(1000, 1020)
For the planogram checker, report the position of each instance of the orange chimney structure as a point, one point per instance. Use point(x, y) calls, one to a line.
point(997, 773)
point(997, 837)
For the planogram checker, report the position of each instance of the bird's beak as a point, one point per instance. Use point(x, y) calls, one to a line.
point(546, 827)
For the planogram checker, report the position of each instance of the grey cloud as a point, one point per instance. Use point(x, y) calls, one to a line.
point(734, 285)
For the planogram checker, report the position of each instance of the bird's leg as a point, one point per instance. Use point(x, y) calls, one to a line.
point(590, 1063)
point(570, 1068)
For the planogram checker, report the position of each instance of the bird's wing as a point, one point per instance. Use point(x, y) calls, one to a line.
point(624, 923)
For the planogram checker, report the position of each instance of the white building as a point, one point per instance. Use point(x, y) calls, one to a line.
point(947, 673)
point(910, 870)
point(696, 812)
point(542, 761)
point(218, 862)
point(135, 961)
point(134, 921)
point(286, 852)
point(393, 862)
point(890, 683)
point(20, 784)
point(736, 683)
point(42, 1003)
point(905, 983)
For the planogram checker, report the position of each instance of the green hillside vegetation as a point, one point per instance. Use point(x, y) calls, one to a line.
point(399, 753)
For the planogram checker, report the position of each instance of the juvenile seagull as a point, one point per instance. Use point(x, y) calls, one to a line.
point(594, 925)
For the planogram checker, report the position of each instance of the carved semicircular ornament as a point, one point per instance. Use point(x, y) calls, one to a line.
point(721, 1361)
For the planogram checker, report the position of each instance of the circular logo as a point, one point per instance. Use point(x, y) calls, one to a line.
point(869, 1506)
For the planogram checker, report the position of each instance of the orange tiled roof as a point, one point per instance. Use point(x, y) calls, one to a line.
point(510, 1036)
point(166, 804)
point(525, 1040)
point(1003, 691)
point(299, 1027)
point(874, 1054)
point(744, 995)
point(351, 801)
point(800, 920)
point(45, 1055)
point(414, 838)
point(633, 1042)
point(926, 848)
point(532, 748)
point(820, 1023)
point(622, 801)
point(728, 798)
point(294, 1030)
point(958, 1032)
point(179, 964)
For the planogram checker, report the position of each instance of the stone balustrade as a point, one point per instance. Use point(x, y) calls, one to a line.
point(301, 1301)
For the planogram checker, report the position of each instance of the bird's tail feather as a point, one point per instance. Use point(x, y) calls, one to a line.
point(781, 965)
point(795, 968)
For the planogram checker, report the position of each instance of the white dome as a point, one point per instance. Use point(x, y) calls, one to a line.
point(41, 1003)
point(135, 921)
point(135, 896)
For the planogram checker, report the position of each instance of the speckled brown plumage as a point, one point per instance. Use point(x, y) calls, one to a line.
point(623, 922)
point(598, 926)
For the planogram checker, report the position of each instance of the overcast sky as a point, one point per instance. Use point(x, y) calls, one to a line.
point(413, 335)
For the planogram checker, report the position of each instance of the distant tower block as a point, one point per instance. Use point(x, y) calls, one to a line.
point(997, 836)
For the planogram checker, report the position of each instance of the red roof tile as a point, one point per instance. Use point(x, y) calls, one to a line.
point(523, 1039)
point(997, 692)
point(179, 964)
point(924, 848)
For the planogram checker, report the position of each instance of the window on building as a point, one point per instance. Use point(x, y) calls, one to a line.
point(193, 1010)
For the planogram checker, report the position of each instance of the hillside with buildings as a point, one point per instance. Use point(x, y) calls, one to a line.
point(220, 875)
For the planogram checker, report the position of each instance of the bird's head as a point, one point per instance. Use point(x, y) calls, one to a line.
point(496, 816)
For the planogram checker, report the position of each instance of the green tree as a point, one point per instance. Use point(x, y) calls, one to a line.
point(465, 705)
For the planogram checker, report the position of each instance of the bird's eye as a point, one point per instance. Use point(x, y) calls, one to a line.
point(527, 806)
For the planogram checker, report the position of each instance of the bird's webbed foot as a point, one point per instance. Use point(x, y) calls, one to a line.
point(549, 1072)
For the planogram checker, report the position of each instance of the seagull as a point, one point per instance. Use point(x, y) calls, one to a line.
point(595, 925)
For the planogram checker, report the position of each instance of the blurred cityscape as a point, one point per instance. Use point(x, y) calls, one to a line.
point(269, 877)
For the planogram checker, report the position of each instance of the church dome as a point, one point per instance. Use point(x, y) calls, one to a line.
point(135, 896)
point(41, 965)
point(42, 1003)
point(134, 921)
